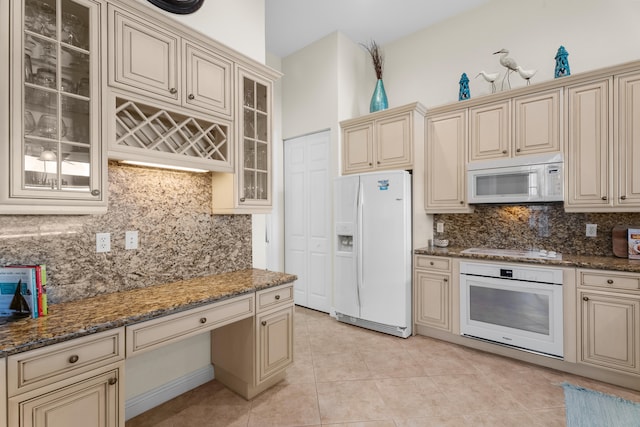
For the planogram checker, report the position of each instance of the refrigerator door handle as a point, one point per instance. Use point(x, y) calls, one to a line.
point(360, 245)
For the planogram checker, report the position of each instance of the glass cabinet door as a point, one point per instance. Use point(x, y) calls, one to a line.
point(255, 143)
point(58, 156)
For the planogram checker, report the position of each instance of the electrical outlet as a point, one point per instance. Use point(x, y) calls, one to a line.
point(103, 242)
point(440, 227)
point(131, 240)
point(592, 230)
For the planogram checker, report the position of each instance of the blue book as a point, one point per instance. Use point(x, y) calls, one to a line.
point(9, 278)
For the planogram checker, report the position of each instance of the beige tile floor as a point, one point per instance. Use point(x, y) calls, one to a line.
point(348, 376)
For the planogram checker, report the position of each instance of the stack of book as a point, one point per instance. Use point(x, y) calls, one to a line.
point(23, 290)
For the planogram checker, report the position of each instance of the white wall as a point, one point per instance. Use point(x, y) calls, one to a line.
point(427, 65)
point(238, 24)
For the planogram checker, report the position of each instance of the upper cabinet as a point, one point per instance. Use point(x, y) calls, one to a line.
point(446, 142)
point(248, 190)
point(52, 158)
point(382, 140)
point(150, 60)
point(520, 126)
point(603, 144)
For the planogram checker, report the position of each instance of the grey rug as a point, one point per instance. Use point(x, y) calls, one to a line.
point(590, 408)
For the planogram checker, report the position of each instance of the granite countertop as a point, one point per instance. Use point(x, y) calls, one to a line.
point(568, 260)
point(74, 319)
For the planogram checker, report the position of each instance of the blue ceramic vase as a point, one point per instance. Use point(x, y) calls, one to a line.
point(379, 98)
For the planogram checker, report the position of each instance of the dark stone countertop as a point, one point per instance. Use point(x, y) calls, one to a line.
point(568, 260)
point(75, 319)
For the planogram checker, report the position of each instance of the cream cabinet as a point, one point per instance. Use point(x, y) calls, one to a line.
point(446, 142)
point(382, 140)
point(251, 355)
point(603, 145)
point(523, 125)
point(3, 392)
point(52, 155)
point(432, 292)
point(609, 320)
point(154, 61)
point(77, 383)
point(249, 189)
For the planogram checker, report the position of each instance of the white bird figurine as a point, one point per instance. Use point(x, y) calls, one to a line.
point(489, 77)
point(509, 63)
point(526, 74)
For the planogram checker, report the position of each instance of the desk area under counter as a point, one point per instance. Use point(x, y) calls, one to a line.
point(80, 348)
point(600, 310)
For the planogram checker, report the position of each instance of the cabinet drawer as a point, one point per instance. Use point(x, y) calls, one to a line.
point(607, 279)
point(433, 263)
point(155, 333)
point(53, 363)
point(274, 297)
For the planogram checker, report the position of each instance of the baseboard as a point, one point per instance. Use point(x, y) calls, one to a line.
point(152, 398)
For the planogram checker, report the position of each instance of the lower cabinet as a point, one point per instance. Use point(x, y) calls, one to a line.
point(3, 392)
point(609, 320)
point(93, 401)
point(432, 292)
point(251, 355)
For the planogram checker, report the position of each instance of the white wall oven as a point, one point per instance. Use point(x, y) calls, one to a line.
point(514, 305)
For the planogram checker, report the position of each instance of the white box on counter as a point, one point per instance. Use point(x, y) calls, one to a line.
point(634, 243)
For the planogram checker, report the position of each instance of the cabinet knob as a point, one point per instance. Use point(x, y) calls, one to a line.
point(191, 96)
point(112, 381)
point(431, 263)
point(378, 162)
point(277, 296)
point(264, 323)
point(585, 298)
point(517, 150)
point(370, 164)
point(74, 358)
point(95, 192)
point(610, 281)
point(173, 91)
point(604, 197)
point(462, 202)
point(203, 320)
point(445, 280)
point(242, 199)
point(623, 197)
point(504, 151)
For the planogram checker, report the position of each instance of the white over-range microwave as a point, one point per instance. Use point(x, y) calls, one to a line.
point(527, 179)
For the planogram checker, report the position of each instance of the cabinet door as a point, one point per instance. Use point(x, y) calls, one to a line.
point(357, 148)
point(254, 153)
point(93, 402)
point(207, 80)
point(394, 142)
point(588, 146)
point(275, 342)
point(3, 392)
point(445, 163)
point(144, 57)
point(490, 131)
point(628, 141)
point(537, 123)
point(57, 162)
point(610, 330)
point(433, 299)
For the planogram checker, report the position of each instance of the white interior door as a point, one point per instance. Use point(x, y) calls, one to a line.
point(307, 211)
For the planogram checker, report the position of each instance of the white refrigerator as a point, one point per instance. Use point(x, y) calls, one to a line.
point(372, 265)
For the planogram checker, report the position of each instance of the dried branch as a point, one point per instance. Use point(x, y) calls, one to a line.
point(377, 57)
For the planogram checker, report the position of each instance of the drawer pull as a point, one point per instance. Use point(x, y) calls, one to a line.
point(264, 323)
point(504, 151)
point(173, 91)
point(604, 197)
point(610, 281)
point(277, 297)
point(585, 298)
point(431, 263)
point(74, 358)
point(623, 197)
point(112, 381)
point(203, 320)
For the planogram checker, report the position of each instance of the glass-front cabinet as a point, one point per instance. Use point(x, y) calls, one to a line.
point(255, 143)
point(55, 150)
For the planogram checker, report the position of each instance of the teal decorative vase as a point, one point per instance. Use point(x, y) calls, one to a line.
point(379, 98)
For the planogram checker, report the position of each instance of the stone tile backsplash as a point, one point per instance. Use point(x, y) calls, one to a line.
point(179, 238)
point(544, 226)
